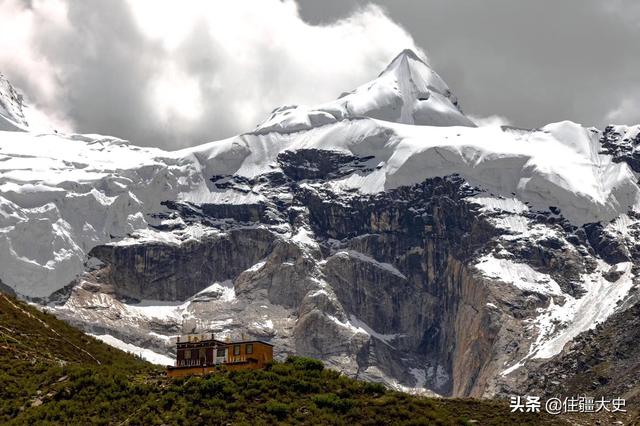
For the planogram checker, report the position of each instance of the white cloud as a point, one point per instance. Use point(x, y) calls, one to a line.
point(627, 111)
point(172, 73)
point(20, 60)
point(490, 121)
point(628, 11)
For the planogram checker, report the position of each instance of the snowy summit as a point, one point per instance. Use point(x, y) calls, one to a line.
point(408, 91)
point(62, 194)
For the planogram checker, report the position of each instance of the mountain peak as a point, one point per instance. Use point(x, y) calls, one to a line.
point(407, 91)
point(403, 59)
point(407, 65)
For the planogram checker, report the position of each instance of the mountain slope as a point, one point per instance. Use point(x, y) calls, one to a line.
point(55, 374)
point(39, 356)
point(432, 257)
point(602, 361)
point(32, 336)
point(11, 114)
point(16, 115)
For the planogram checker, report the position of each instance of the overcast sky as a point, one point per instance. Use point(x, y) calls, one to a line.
point(174, 74)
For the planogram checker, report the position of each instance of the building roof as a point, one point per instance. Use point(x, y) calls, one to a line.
point(248, 341)
point(221, 343)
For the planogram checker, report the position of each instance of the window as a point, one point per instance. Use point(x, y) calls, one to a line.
point(203, 353)
point(236, 349)
point(249, 348)
point(187, 354)
point(221, 353)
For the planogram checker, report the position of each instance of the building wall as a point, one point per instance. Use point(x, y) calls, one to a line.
point(202, 354)
point(201, 371)
point(238, 352)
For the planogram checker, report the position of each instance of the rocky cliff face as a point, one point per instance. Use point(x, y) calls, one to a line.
point(387, 270)
point(160, 271)
point(623, 144)
point(381, 286)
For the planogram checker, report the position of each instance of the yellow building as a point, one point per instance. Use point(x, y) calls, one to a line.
point(203, 354)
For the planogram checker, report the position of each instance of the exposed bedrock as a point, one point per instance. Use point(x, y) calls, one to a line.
point(622, 147)
point(319, 164)
point(402, 272)
point(381, 286)
point(285, 276)
point(165, 271)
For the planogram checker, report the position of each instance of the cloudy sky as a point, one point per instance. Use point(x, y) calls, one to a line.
point(178, 73)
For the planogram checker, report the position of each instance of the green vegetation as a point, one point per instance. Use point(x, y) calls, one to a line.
point(54, 374)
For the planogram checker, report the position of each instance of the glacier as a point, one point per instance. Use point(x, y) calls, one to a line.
point(60, 195)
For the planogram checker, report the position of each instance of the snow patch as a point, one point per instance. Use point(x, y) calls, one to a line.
point(559, 324)
point(499, 204)
point(225, 291)
point(304, 237)
point(267, 324)
point(158, 309)
point(520, 275)
point(257, 266)
point(578, 315)
point(357, 326)
point(364, 258)
point(147, 354)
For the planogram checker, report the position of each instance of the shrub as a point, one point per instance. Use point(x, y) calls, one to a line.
point(307, 364)
point(333, 402)
point(374, 388)
point(278, 409)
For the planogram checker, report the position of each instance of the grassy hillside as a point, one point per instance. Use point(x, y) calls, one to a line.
point(41, 356)
point(53, 374)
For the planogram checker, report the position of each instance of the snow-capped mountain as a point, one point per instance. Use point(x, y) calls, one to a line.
point(407, 92)
point(16, 115)
point(382, 232)
point(11, 114)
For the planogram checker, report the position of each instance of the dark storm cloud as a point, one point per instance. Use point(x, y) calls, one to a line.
point(533, 62)
point(105, 64)
point(173, 74)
